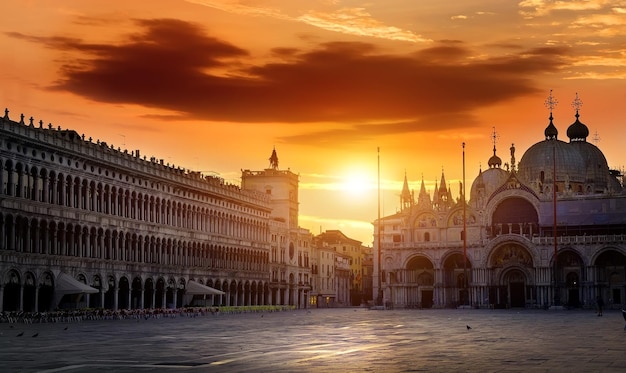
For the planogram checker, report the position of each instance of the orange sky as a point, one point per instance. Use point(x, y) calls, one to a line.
point(214, 85)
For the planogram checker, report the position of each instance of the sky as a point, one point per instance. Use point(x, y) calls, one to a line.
point(353, 95)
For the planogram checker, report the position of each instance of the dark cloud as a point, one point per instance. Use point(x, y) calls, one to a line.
point(362, 132)
point(175, 65)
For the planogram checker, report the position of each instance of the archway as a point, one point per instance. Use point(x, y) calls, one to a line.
point(611, 276)
point(135, 298)
point(46, 292)
point(512, 262)
point(148, 294)
point(456, 279)
point(11, 299)
point(420, 275)
point(123, 294)
point(159, 295)
point(515, 281)
point(30, 293)
point(570, 270)
point(95, 300)
point(109, 296)
point(515, 216)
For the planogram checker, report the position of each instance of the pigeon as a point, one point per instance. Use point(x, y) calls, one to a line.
point(20, 334)
point(468, 327)
point(66, 328)
point(34, 335)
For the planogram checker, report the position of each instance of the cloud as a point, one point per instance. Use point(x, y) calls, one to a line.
point(176, 66)
point(357, 21)
point(540, 8)
point(351, 21)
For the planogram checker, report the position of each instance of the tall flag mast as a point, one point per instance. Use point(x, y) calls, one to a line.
point(465, 279)
point(551, 103)
point(380, 289)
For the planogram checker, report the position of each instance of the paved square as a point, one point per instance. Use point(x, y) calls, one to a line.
point(323, 340)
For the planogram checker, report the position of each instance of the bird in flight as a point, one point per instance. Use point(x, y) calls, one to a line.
point(20, 334)
point(468, 327)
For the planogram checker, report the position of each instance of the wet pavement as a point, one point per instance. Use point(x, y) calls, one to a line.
point(325, 340)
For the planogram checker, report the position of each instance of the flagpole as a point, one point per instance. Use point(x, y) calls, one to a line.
point(380, 289)
point(557, 297)
point(465, 293)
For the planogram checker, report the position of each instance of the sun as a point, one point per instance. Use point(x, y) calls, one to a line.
point(357, 183)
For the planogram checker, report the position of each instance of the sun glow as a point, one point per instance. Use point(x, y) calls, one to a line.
point(357, 183)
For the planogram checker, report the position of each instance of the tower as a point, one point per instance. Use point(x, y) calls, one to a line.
point(281, 186)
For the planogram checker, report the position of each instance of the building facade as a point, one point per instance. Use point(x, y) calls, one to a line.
point(290, 245)
point(78, 216)
point(548, 232)
point(353, 249)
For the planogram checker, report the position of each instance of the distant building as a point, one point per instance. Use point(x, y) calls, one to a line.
point(351, 248)
point(324, 291)
point(367, 276)
point(523, 247)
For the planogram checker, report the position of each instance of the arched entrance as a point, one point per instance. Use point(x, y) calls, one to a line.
point(456, 278)
point(135, 298)
point(11, 300)
point(148, 294)
point(95, 300)
point(46, 292)
point(123, 294)
point(420, 278)
point(159, 295)
point(611, 277)
point(515, 281)
point(512, 264)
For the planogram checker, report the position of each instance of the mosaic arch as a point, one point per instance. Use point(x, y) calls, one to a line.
point(425, 220)
point(512, 264)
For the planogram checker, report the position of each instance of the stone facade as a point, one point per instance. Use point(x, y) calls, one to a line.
point(135, 230)
point(551, 232)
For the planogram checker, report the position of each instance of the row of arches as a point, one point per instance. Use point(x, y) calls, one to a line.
point(48, 237)
point(511, 278)
point(28, 292)
point(20, 180)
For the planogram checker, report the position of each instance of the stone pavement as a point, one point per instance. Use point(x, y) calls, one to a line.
point(325, 340)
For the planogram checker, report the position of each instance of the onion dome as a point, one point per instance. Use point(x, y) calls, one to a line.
point(551, 132)
point(577, 131)
point(494, 161)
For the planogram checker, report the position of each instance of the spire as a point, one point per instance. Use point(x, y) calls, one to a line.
point(423, 199)
point(577, 131)
point(274, 160)
point(494, 161)
point(551, 132)
point(442, 186)
point(406, 199)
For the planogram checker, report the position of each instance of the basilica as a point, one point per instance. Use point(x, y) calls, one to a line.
point(547, 232)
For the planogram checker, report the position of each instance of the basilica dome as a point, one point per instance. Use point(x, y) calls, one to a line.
point(487, 182)
point(580, 166)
